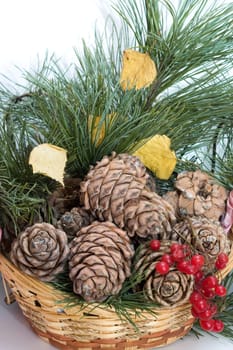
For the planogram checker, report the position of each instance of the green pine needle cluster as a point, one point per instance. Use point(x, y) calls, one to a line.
point(190, 101)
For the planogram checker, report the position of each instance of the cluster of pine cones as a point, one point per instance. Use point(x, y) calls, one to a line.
point(113, 212)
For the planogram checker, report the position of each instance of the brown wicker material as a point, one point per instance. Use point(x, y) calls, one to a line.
point(72, 328)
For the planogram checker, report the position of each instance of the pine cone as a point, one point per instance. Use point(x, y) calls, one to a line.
point(150, 216)
point(65, 198)
point(100, 261)
point(198, 194)
point(72, 221)
point(40, 251)
point(110, 184)
point(115, 190)
point(205, 235)
point(171, 289)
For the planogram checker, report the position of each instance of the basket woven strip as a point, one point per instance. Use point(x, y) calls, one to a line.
point(92, 326)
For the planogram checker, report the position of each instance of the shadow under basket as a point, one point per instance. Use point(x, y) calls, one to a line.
point(93, 326)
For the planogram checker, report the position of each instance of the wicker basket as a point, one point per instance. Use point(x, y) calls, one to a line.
point(93, 327)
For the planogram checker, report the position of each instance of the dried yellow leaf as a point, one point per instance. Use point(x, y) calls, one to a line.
point(138, 70)
point(98, 132)
point(49, 160)
point(157, 156)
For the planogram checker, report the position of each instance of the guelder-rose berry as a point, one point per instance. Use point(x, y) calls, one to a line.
point(167, 258)
point(220, 291)
point(209, 282)
point(175, 246)
point(195, 296)
point(177, 255)
point(155, 244)
point(223, 258)
point(218, 326)
point(198, 260)
point(220, 265)
point(162, 267)
point(207, 325)
point(200, 305)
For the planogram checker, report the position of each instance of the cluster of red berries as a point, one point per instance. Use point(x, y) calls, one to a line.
point(206, 287)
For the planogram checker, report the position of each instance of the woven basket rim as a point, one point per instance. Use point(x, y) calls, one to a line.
point(93, 327)
point(6, 265)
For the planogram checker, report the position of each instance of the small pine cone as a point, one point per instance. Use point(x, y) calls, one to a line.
point(198, 194)
point(205, 235)
point(40, 251)
point(172, 289)
point(65, 198)
point(100, 261)
point(150, 216)
point(72, 221)
point(110, 184)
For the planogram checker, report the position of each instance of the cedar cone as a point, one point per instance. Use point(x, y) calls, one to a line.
point(100, 261)
point(205, 235)
point(40, 251)
point(171, 289)
point(110, 184)
point(65, 198)
point(197, 194)
point(149, 216)
point(72, 221)
point(116, 190)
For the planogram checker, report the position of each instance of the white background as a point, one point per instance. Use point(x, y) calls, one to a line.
point(29, 28)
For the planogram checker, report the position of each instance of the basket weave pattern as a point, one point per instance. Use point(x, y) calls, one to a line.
point(94, 327)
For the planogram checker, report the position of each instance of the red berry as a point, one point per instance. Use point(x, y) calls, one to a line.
point(213, 308)
point(205, 315)
point(209, 282)
point(207, 325)
point(200, 305)
point(186, 267)
point(194, 313)
point(195, 296)
point(167, 258)
point(218, 326)
point(208, 293)
point(198, 260)
point(182, 265)
point(191, 269)
point(162, 267)
point(198, 276)
point(223, 258)
point(155, 244)
point(177, 255)
point(175, 246)
point(220, 291)
point(220, 265)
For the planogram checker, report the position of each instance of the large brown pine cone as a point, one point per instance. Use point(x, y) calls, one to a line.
point(40, 251)
point(205, 235)
point(100, 261)
point(149, 216)
point(72, 221)
point(116, 190)
point(171, 289)
point(198, 194)
point(110, 184)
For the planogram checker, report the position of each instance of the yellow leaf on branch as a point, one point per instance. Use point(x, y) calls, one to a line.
point(49, 160)
point(157, 156)
point(138, 70)
point(98, 132)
